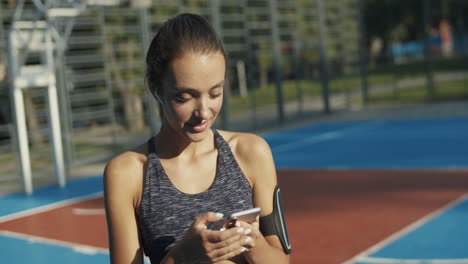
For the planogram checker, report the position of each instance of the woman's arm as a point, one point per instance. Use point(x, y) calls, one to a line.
point(120, 189)
point(257, 163)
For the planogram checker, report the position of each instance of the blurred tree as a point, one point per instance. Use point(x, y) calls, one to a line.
point(401, 20)
point(11, 3)
point(392, 20)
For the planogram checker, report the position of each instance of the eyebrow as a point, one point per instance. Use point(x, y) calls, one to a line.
point(187, 89)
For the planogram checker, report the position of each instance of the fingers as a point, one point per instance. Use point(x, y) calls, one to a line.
point(230, 224)
point(204, 219)
point(250, 242)
point(227, 253)
point(230, 243)
point(256, 223)
point(226, 243)
point(251, 232)
point(221, 238)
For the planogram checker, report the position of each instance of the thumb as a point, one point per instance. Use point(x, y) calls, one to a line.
point(206, 218)
point(256, 223)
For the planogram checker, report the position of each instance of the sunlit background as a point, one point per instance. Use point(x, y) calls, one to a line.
point(363, 102)
point(288, 61)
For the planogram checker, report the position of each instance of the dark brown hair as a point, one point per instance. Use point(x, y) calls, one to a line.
point(180, 34)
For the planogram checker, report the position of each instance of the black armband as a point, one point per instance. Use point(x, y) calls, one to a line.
point(275, 223)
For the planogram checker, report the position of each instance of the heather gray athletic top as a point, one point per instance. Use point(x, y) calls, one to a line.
point(167, 213)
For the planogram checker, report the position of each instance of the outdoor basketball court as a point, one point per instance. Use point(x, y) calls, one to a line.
point(389, 191)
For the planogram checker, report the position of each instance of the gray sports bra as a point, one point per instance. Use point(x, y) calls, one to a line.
point(167, 213)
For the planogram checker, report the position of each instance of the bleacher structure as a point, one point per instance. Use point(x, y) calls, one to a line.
point(36, 40)
point(79, 69)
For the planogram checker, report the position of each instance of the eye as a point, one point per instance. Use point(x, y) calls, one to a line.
point(216, 92)
point(183, 97)
point(215, 95)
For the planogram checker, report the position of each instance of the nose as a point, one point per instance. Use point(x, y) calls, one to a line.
point(203, 110)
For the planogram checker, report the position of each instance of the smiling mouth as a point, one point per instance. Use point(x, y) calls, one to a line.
point(199, 127)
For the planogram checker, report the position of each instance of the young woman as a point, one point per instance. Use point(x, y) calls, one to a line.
point(166, 198)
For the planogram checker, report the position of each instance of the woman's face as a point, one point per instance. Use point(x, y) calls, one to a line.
point(194, 97)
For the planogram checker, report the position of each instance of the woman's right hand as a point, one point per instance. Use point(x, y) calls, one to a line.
point(201, 245)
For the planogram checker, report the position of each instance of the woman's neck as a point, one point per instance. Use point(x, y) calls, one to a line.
point(170, 144)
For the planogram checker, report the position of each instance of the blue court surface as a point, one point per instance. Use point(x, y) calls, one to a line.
point(48, 196)
point(439, 238)
point(20, 248)
point(28, 250)
point(441, 144)
point(386, 144)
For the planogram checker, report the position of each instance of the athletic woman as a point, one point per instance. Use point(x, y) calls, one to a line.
point(166, 198)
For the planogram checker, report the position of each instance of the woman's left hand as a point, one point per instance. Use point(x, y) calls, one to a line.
point(252, 233)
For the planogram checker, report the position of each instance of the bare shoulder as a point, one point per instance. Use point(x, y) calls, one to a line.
point(124, 174)
point(251, 151)
point(125, 162)
point(246, 145)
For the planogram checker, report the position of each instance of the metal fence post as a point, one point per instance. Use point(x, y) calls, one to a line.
point(427, 52)
point(324, 78)
point(19, 118)
point(363, 54)
point(64, 105)
point(111, 103)
point(216, 22)
point(343, 61)
point(297, 44)
point(249, 59)
point(391, 63)
point(464, 52)
point(144, 23)
point(277, 58)
point(53, 111)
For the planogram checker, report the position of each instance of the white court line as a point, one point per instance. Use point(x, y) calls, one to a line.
point(364, 256)
point(325, 136)
point(80, 248)
point(86, 211)
point(48, 207)
point(412, 261)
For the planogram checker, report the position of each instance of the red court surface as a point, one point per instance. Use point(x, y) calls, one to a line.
point(332, 215)
point(81, 223)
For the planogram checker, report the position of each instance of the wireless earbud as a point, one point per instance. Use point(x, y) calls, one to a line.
point(158, 98)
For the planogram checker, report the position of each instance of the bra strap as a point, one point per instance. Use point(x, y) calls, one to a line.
point(151, 147)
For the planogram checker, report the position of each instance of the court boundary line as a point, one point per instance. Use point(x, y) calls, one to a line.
point(48, 207)
point(79, 248)
point(372, 260)
point(406, 230)
point(76, 247)
point(87, 211)
point(326, 136)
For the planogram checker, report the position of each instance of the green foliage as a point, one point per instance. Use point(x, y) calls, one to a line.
point(401, 20)
point(445, 91)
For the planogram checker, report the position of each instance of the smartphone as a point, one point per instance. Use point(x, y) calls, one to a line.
point(247, 216)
